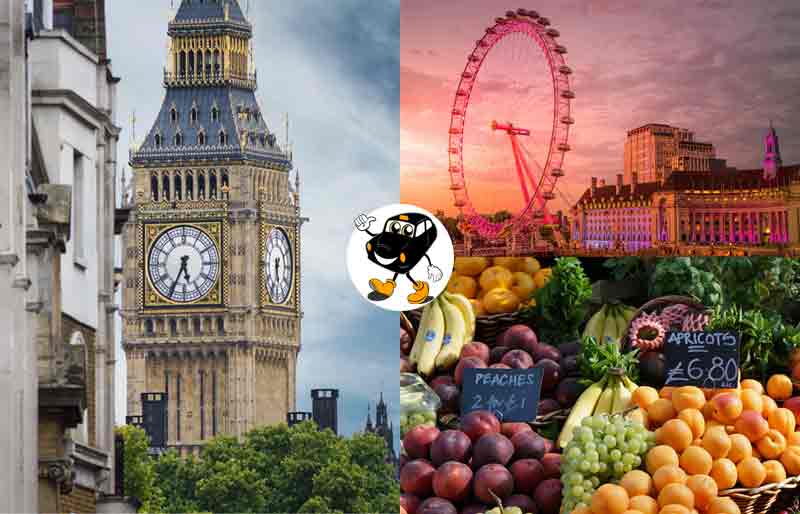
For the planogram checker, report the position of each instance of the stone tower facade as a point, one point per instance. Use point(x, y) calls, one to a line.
point(772, 154)
point(211, 299)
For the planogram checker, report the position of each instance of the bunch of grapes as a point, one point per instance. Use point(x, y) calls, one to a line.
point(601, 451)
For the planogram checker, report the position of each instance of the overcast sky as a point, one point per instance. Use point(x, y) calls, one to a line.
point(334, 67)
point(722, 68)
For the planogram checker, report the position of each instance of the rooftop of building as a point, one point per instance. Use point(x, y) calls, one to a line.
point(209, 10)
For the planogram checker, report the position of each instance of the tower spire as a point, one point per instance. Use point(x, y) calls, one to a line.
point(772, 154)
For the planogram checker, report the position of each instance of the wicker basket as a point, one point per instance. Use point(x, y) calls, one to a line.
point(657, 304)
point(770, 498)
point(487, 328)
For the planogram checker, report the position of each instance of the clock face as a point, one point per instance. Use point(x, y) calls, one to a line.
point(183, 264)
point(278, 260)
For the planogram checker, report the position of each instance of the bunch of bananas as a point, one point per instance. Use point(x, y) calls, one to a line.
point(447, 324)
point(610, 321)
point(611, 395)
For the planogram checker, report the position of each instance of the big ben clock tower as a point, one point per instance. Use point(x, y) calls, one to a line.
point(211, 298)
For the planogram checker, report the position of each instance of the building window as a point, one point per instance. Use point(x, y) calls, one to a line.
point(178, 187)
point(178, 407)
point(196, 326)
point(189, 185)
point(173, 115)
point(215, 114)
point(201, 185)
point(202, 406)
point(148, 328)
point(158, 140)
point(178, 139)
point(223, 138)
point(212, 187)
point(220, 326)
point(154, 186)
point(78, 205)
point(201, 138)
point(173, 328)
point(193, 115)
point(165, 187)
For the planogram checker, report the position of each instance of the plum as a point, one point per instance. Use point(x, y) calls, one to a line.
point(442, 379)
point(518, 359)
point(547, 406)
point(527, 473)
point(437, 506)
point(451, 445)
point(511, 429)
point(653, 369)
point(497, 353)
point(416, 478)
point(452, 481)
point(568, 391)
point(410, 502)
point(494, 478)
point(572, 348)
point(417, 441)
point(523, 501)
point(467, 362)
point(552, 373)
point(550, 446)
point(500, 365)
point(548, 496)
point(528, 445)
point(474, 508)
point(551, 464)
point(478, 423)
point(492, 449)
point(569, 366)
point(450, 395)
point(545, 351)
point(521, 337)
point(476, 349)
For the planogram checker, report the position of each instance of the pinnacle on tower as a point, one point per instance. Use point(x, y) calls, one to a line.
point(772, 154)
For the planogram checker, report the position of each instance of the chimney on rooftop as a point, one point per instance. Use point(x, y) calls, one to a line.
point(619, 184)
point(602, 182)
point(594, 187)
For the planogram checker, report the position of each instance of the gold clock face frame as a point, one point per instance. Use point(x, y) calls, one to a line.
point(279, 242)
point(171, 249)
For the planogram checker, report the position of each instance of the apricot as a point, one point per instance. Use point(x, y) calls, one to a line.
point(741, 448)
point(791, 460)
point(716, 442)
point(775, 472)
point(779, 387)
point(609, 499)
point(676, 433)
point(704, 488)
point(495, 277)
point(644, 504)
point(666, 475)
point(675, 509)
point(688, 397)
point(723, 505)
point(727, 407)
point(752, 385)
point(696, 461)
point(769, 406)
point(659, 456)
point(676, 494)
point(783, 421)
point(752, 425)
point(637, 483)
point(643, 396)
point(631, 511)
point(772, 445)
point(666, 392)
point(724, 473)
point(639, 415)
point(751, 400)
point(463, 285)
point(793, 439)
point(660, 411)
point(694, 418)
point(751, 472)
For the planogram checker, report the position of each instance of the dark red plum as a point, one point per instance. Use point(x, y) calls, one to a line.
point(452, 445)
point(518, 359)
point(417, 441)
point(527, 473)
point(528, 445)
point(410, 502)
point(497, 353)
point(437, 506)
point(548, 496)
point(452, 481)
point(450, 395)
point(523, 501)
point(467, 362)
point(521, 337)
point(552, 373)
point(416, 478)
point(494, 478)
point(568, 391)
point(476, 349)
point(492, 449)
point(545, 351)
point(478, 423)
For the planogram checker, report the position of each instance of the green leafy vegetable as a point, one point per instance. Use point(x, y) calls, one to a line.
point(679, 276)
point(596, 359)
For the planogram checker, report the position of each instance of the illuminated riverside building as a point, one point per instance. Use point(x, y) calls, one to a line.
point(654, 150)
point(718, 206)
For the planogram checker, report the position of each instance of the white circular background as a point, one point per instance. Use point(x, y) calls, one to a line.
point(361, 269)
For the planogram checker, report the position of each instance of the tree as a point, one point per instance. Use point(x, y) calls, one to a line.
point(140, 480)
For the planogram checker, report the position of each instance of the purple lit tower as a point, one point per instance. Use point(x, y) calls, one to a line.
point(772, 154)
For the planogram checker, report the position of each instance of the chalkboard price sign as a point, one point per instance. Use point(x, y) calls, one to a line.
point(510, 394)
point(702, 359)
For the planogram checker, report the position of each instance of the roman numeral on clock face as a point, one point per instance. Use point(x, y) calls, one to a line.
point(184, 264)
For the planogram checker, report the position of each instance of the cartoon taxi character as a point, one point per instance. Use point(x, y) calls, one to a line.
point(404, 242)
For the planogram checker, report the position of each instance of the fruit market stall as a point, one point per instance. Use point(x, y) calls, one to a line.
point(661, 387)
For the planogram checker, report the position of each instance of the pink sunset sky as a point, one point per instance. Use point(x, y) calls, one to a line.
point(720, 68)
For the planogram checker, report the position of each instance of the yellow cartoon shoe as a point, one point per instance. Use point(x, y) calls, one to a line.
point(381, 290)
point(420, 295)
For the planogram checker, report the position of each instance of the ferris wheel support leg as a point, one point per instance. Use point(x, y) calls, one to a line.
point(521, 170)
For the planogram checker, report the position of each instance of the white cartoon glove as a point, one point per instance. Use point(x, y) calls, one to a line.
point(362, 222)
point(434, 273)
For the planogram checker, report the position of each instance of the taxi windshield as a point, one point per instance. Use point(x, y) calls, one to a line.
point(399, 227)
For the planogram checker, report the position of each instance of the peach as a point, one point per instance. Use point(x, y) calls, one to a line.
point(676, 494)
point(772, 445)
point(753, 385)
point(716, 442)
point(660, 411)
point(688, 397)
point(791, 460)
point(741, 448)
point(704, 488)
point(769, 405)
point(666, 475)
point(694, 418)
point(675, 433)
point(752, 425)
point(775, 472)
point(751, 400)
point(783, 421)
point(751, 472)
point(724, 473)
point(659, 456)
point(779, 387)
point(644, 504)
point(723, 505)
point(643, 396)
point(727, 407)
point(696, 461)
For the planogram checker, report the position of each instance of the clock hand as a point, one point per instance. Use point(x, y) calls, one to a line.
point(184, 259)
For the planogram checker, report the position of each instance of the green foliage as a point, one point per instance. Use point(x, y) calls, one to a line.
point(622, 268)
point(140, 476)
point(561, 305)
point(758, 331)
point(680, 276)
point(596, 359)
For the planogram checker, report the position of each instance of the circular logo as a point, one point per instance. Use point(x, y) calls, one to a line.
point(400, 257)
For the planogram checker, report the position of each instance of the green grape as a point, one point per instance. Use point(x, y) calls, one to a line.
point(587, 498)
point(619, 468)
point(603, 467)
point(610, 441)
point(595, 482)
point(595, 467)
point(637, 461)
point(615, 455)
point(627, 459)
point(590, 446)
point(586, 436)
point(577, 490)
point(626, 468)
point(588, 485)
point(585, 466)
point(602, 450)
point(592, 456)
point(587, 422)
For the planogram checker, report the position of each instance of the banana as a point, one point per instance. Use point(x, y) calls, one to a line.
point(432, 340)
point(582, 408)
point(605, 402)
point(622, 398)
point(419, 341)
point(455, 335)
point(610, 328)
point(629, 384)
point(622, 326)
point(594, 328)
point(461, 301)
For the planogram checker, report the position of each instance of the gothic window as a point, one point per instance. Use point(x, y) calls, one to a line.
point(148, 328)
point(216, 63)
point(224, 179)
point(178, 139)
point(220, 326)
point(189, 185)
point(208, 63)
point(193, 115)
point(173, 115)
point(165, 187)
point(182, 62)
point(223, 138)
point(191, 63)
point(212, 188)
point(196, 326)
point(214, 114)
point(158, 140)
point(154, 186)
point(173, 328)
point(201, 138)
point(178, 187)
point(201, 185)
